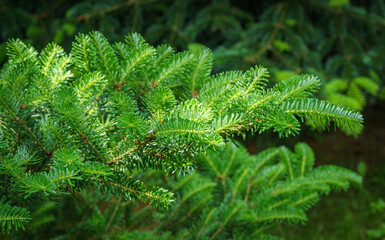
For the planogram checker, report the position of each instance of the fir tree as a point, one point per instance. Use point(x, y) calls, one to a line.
point(233, 195)
point(242, 196)
point(104, 112)
point(340, 41)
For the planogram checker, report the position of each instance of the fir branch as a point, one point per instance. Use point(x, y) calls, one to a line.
point(117, 205)
point(164, 111)
point(322, 113)
point(21, 122)
point(12, 216)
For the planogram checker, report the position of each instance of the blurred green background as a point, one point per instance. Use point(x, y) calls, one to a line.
point(341, 41)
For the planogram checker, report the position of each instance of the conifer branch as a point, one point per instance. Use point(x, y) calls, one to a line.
point(117, 205)
point(93, 148)
point(21, 122)
point(97, 134)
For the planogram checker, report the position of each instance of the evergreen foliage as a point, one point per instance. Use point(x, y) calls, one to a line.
point(234, 196)
point(351, 93)
point(378, 209)
point(241, 196)
point(339, 41)
point(104, 112)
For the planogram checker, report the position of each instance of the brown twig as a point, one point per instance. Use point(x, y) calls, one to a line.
point(47, 12)
point(347, 56)
point(138, 144)
point(277, 27)
point(86, 17)
point(117, 206)
point(216, 233)
point(345, 12)
point(284, 60)
point(21, 122)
